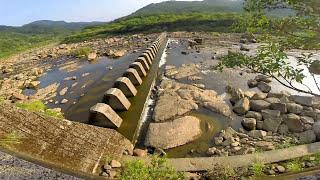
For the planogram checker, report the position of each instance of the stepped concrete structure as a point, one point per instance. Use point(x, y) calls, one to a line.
point(126, 86)
point(144, 63)
point(105, 116)
point(134, 77)
point(147, 57)
point(117, 100)
point(139, 68)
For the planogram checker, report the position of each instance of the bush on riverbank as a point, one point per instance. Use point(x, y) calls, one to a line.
point(38, 106)
point(158, 169)
point(81, 52)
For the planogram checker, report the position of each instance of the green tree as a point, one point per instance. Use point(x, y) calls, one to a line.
point(280, 33)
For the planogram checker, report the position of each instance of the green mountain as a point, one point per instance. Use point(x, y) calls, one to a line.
point(209, 15)
point(35, 34)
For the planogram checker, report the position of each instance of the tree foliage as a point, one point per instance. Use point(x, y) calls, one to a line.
point(278, 34)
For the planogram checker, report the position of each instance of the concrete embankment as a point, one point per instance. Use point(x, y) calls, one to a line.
point(116, 98)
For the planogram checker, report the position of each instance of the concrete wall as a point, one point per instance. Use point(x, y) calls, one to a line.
point(116, 99)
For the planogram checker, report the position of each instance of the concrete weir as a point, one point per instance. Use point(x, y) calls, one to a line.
point(134, 77)
point(117, 100)
point(126, 86)
point(105, 116)
point(139, 68)
point(144, 63)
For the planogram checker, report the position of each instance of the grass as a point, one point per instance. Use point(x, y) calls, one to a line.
point(222, 173)
point(288, 142)
point(294, 166)
point(38, 106)
point(257, 169)
point(157, 170)
point(81, 52)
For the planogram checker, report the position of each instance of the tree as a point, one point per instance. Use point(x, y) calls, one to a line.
point(278, 34)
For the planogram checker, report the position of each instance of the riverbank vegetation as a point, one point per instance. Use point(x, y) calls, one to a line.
point(38, 106)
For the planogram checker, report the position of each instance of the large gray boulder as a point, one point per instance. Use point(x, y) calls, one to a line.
point(172, 134)
point(294, 123)
point(306, 137)
point(272, 124)
point(255, 115)
point(303, 100)
point(242, 106)
point(257, 134)
point(270, 114)
point(258, 105)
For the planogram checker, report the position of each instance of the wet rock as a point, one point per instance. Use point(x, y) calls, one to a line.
point(242, 106)
point(115, 164)
point(64, 101)
point(257, 134)
point(294, 108)
point(249, 123)
point(140, 152)
point(255, 115)
point(272, 124)
point(293, 122)
point(307, 137)
point(92, 56)
point(264, 87)
point(172, 134)
point(63, 91)
point(258, 105)
point(259, 96)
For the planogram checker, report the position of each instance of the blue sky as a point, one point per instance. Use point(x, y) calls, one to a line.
point(19, 12)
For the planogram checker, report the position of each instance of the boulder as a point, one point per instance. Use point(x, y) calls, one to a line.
point(264, 87)
point(315, 67)
point(33, 84)
point(272, 100)
point(258, 105)
point(170, 104)
point(271, 124)
point(259, 96)
point(282, 107)
point(172, 134)
point(270, 114)
point(252, 83)
point(140, 152)
point(235, 93)
point(263, 78)
point(18, 97)
point(307, 137)
point(294, 108)
point(303, 100)
point(257, 134)
point(249, 123)
point(242, 106)
point(316, 129)
point(92, 56)
point(307, 120)
point(293, 122)
point(255, 115)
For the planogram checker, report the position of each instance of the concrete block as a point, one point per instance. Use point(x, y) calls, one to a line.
point(147, 57)
point(104, 116)
point(154, 49)
point(126, 86)
point(144, 63)
point(134, 77)
point(150, 50)
point(139, 68)
point(116, 99)
point(150, 54)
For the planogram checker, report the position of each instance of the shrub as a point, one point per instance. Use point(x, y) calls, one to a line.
point(82, 52)
point(157, 170)
point(38, 106)
point(294, 166)
point(257, 169)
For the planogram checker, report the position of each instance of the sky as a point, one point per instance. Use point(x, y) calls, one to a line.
point(20, 12)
